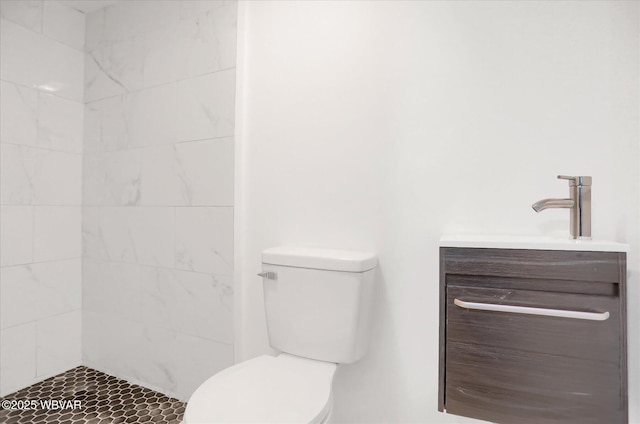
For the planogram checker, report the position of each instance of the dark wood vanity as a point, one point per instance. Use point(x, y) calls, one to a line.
point(533, 336)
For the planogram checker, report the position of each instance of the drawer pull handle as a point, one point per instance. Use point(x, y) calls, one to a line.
point(594, 316)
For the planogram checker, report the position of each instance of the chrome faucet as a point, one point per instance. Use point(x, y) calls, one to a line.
point(579, 203)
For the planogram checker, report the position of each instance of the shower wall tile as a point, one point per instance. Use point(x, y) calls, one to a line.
point(218, 34)
point(41, 114)
point(39, 120)
point(31, 60)
point(39, 290)
point(193, 8)
point(60, 124)
point(150, 350)
point(113, 178)
point(57, 233)
point(116, 236)
point(98, 337)
point(58, 343)
point(18, 114)
point(112, 288)
point(198, 173)
point(139, 119)
point(158, 153)
point(193, 109)
point(206, 106)
point(140, 235)
point(16, 227)
point(27, 13)
point(105, 125)
point(17, 357)
point(153, 362)
point(39, 177)
point(151, 233)
point(151, 116)
point(207, 167)
point(184, 48)
point(104, 339)
point(177, 368)
point(164, 177)
point(196, 360)
point(198, 45)
point(204, 240)
point(16, 174)
point(92, 241)
point(164, 54)
point(114, 68)
point(188, 303)
point(129, 19)
point(63, 24)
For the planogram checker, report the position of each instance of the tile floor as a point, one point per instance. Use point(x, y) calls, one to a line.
point(103, 399)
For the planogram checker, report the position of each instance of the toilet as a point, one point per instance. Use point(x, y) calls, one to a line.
point(318, 304)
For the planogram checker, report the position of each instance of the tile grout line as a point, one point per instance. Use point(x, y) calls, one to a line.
point(34, 321)
point(217, 139)
point(150, 87)
point(33, 234)
point(48, 37)
point(49, 261)
point(30, 146)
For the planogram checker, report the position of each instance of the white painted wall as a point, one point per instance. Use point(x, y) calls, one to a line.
point(382, 125)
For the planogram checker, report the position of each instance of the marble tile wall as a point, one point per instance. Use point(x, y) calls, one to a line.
point(157, 232)
point(41, 131)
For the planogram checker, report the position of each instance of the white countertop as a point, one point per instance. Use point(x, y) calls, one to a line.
point(530, 242)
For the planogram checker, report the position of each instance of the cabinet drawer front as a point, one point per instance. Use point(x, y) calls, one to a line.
point(541, 264)
point(578, 338)
point(512, 386)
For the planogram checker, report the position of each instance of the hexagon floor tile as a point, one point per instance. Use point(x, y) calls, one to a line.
point(103, 400)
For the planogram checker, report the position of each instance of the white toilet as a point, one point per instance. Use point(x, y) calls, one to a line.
point(318, 305)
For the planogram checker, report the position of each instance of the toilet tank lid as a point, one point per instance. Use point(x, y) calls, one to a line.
point(316, 258)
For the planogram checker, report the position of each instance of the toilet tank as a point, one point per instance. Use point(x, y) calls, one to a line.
point(318, 304)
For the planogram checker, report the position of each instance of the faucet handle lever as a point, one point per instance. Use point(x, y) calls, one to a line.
point(581, 180)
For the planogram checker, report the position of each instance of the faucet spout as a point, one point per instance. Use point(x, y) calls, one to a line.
point(553, 203)
point(579, 202)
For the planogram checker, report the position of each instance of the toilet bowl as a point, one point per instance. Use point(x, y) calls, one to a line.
point(266, 389)
point(318, 308)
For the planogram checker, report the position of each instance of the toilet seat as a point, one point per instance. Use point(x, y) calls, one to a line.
point(266, 389)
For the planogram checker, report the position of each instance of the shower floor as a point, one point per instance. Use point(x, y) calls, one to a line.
point(99, 399)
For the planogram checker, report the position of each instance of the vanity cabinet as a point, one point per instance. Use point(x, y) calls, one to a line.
point(533, 336)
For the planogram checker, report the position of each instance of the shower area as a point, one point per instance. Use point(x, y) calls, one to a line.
point(117, 200)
